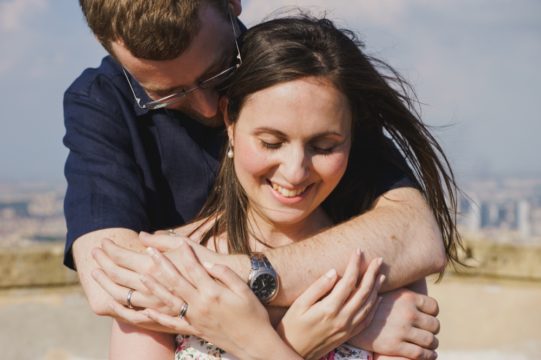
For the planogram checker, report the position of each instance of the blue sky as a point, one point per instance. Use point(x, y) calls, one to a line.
point(474, 65)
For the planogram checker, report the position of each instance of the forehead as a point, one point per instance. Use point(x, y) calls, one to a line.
point(213, 41)
point(300, 107)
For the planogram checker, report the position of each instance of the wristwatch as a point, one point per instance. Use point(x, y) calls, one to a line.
point(263, 280)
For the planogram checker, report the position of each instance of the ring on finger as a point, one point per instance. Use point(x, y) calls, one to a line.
point(171, 232)
point(128, 298)
point(183, 311)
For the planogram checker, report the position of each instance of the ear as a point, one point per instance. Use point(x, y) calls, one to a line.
point(236, 7)
point(224, 102)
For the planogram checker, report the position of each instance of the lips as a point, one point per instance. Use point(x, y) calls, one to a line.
point(288, 193)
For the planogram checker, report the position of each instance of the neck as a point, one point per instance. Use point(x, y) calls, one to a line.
point(276, 235)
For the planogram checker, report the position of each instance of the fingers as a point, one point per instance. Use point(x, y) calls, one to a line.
point(174, 323)
point(427, 305)
point(170, 277)
point(120, 293)
point(364, 307)
point(229, 278)
point(174, 303)
point(125, 258)
point(364, 317)
point(345, 286)
point(117, 274)
point(317, 290)
point(426, 322)
point(162, 241)
point(192, 270)
point(423, 338)
point(366, 294)
point(412, 351)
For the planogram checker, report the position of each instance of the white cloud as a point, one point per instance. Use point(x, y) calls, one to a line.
point(14, 13)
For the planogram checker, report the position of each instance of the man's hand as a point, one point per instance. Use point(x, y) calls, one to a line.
point(405, 325)
point(120, 269)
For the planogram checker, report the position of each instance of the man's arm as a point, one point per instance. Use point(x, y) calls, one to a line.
point(98, 298)
point(401, 228)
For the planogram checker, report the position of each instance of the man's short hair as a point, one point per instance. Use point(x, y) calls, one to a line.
point(149, 29)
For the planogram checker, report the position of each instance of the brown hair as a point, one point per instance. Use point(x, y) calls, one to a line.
point(383, 110)
point(154, 30)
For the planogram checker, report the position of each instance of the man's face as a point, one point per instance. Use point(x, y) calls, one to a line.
point(210, 52)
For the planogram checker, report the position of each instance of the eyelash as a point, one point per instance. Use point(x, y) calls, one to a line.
point(276, 146)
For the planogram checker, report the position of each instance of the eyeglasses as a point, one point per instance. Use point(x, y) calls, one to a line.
point(212, 82)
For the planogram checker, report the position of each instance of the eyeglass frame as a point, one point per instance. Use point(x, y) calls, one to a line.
point(177, 96)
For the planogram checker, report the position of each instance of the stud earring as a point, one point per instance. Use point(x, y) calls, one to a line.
point(230, 153)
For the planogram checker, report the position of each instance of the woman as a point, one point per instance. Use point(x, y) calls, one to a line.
point(308, 115)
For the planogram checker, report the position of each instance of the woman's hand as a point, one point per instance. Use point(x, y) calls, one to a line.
point(328, 313)
point(221, 308)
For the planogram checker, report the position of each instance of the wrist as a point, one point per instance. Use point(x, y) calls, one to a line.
point(239, 263)
point(271, 343)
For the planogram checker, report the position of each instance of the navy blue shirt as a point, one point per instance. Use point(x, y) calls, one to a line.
point(128, 167)
point(138, 169)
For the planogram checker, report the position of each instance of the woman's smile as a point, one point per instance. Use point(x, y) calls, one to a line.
point(291, 143)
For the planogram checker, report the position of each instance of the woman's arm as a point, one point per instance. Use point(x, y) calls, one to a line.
point(224, 311)
point(130, 342)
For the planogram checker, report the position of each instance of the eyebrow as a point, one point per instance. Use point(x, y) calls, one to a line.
point(280, 134)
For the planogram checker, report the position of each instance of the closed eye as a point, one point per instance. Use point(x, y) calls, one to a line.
point(270, 145)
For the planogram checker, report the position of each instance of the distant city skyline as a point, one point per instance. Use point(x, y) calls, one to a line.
point(473, 65)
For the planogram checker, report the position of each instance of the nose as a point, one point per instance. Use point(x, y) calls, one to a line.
point(204, 102)
point(296, 165)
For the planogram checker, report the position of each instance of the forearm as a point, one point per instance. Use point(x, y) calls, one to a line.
point(400, 228)
point(98, 299)
point(129, 342)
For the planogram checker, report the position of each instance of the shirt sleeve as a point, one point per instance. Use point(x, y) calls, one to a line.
point(105, 187)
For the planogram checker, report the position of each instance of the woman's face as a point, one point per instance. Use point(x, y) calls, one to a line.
point(291, 145)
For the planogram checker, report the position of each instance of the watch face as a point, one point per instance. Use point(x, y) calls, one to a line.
point(264, 286)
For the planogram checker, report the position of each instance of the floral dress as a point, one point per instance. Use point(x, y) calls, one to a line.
point(194, 348)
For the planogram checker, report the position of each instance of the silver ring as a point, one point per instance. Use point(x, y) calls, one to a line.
point(128, 298)
point(183, 311)
point(171, 232)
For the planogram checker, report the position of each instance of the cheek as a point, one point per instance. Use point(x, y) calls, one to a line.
point(331, 168)
point(249, 159)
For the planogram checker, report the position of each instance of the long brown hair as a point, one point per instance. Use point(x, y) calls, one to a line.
point(384, 119)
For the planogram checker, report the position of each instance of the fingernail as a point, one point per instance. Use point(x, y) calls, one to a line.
point(208, 265)
point(380, 261)
point(359, 252)
point(331, 274)
point(382, 279)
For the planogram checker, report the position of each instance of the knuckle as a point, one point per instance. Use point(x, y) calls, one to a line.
point(436, 326)
point(427, 340)
point(436, 308)
point(417, 353)
point(410, 316)
point(435, 343)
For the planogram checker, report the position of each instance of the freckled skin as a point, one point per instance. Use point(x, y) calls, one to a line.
point(307, 122)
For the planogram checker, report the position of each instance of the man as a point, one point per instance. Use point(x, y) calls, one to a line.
point(144, 135)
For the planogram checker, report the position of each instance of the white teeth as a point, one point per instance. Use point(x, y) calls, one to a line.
point(287, 192)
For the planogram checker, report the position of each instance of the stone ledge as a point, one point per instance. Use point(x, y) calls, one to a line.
point(34, 265)
point(501, 260)
point(41, 264)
